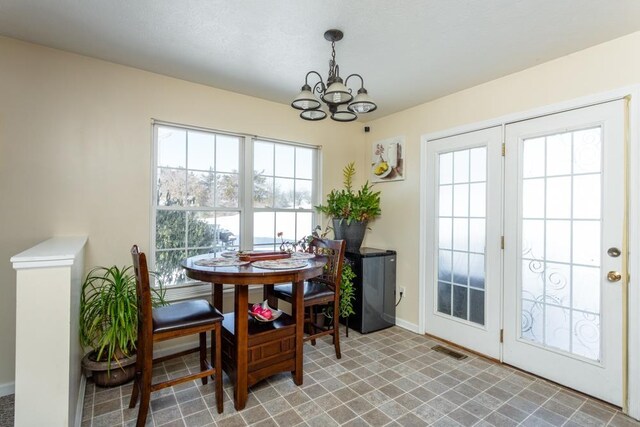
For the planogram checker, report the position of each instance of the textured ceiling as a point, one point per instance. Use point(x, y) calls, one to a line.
point(408, 51)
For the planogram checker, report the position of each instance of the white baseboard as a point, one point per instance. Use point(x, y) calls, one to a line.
point(80, 403)
point(407, 325)
point(7, 389)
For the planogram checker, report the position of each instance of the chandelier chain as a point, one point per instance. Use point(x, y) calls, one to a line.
point(332, 62)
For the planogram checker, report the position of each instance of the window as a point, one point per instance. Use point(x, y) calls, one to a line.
point(202, 203)
point(283, 193)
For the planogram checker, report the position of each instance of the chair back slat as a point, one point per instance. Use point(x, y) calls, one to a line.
point(143, 292)
point(333, 250)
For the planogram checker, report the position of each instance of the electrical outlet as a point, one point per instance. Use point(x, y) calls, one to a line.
point(403, 291)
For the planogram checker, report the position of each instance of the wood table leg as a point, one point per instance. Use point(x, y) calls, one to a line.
point(241, 305)
point(216, 296)
point(298, 314)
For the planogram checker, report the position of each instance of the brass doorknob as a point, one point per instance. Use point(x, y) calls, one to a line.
point(614, 276)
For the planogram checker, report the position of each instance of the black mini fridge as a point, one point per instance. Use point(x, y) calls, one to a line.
point(375, 289)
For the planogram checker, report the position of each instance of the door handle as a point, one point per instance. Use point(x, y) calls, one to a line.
point(614, 276)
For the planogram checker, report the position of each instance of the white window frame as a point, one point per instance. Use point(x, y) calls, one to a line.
point(192, 288)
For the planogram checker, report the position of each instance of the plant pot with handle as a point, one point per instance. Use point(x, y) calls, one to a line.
point(351, 232)
point(107, 291)
point(110, 373)
point(351, 210)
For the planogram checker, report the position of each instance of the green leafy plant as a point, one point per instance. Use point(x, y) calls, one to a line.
point(361, 205)
point(347, 293)
point(109, 312)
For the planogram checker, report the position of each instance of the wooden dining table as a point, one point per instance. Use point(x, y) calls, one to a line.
point(253, 350)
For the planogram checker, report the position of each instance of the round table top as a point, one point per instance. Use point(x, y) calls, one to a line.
point(249, 274)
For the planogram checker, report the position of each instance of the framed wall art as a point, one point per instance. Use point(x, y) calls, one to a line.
point(387, 160)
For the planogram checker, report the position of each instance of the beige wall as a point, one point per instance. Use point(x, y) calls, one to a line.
point(601, 68)
point(74, 134)
point(75, 137)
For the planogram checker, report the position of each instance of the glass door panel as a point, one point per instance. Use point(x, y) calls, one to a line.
point(561, 241)
point(461, 234)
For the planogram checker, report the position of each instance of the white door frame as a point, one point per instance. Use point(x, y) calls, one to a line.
point(632, 406)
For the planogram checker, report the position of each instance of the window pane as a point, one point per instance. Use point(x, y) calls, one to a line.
point(286, 224)
point(262, 191)
point(284, 165)
point(202, 229)
point(476, 306)
point(171, 188)
point(304, 224)
point(460, 302)
point(283, 193)
point(587, 150)
point(444, 233)
point(303, 194)
point(533, 158)
point(201, 149)
point(444, 298)
point(478, 164)
point(461, 166)
point(170, 229)
point(461, 200)
point(444, 265)
point(228, 228)
point(168, 270)
point(264, 228)
point(445, 200)
point(227, 190)
point(446, 168)
point(172, 147)
point(200, 189)
point(263, 158)
point(304, 163)
point(227, 153)
point(559, 154)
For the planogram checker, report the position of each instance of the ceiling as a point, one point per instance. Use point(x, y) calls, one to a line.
point(408, 51)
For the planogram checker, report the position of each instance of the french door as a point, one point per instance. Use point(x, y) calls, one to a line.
point(564, 211)
point(555, 290)
point(463, 260)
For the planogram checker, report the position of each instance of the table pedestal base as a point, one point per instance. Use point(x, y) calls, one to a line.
point(271, 348)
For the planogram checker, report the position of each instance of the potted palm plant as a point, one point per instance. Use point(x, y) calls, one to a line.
point(351, 210)
point(109, 323)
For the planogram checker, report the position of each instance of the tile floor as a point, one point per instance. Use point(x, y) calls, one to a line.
point(387, 378)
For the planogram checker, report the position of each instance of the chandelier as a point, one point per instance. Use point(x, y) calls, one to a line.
point(335, 93)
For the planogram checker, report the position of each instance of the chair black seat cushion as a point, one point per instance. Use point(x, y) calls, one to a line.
point(312, 290)
point(184, 314)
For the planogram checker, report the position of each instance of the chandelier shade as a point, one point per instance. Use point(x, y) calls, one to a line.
point(313, 115)
point(335, 93)
point(362, 103)
point(305, 100)
point(343, 114)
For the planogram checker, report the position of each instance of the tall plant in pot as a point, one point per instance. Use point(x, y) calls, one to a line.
point(351, 210)
point(109, 323)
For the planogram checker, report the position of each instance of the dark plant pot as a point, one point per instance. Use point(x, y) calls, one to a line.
point(352, 233)
point(121, 371)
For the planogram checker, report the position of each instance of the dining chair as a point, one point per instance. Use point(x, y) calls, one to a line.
point(319, 291)
point(167, 322)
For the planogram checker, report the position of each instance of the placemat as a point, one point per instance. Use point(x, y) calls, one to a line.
point(220, 262)
point(281, 264)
